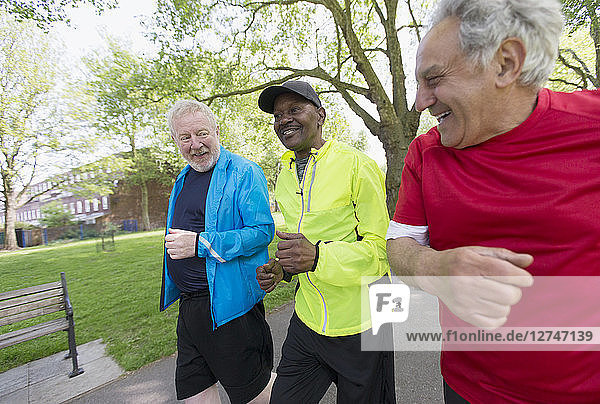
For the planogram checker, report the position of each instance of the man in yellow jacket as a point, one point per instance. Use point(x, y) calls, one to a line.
point(333, 200)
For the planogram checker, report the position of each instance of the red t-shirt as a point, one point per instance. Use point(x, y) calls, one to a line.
point(535, 190)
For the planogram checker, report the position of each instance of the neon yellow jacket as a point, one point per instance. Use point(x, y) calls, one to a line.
point(341, 202)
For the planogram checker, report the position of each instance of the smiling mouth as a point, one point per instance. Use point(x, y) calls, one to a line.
point(289, 131)
point(442, 116)
point(199, 153)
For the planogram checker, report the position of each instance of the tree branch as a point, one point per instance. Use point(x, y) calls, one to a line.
point(414, 20)
point(394, 53)
point(378, 11)
point(564, 81)
point(363, 65)
point(250, 90)
point(582, 71)
point(342, 88)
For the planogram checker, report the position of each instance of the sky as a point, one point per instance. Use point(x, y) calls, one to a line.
point(85, 30)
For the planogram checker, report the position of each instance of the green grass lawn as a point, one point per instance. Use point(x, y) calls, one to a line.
point(115, 296)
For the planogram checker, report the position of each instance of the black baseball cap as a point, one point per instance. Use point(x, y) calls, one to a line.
point(266, 100)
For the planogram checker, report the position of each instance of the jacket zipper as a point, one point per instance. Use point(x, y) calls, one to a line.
point(300, 222)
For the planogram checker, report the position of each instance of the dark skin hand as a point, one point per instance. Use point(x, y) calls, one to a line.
point(269, 275)
point(296, 254)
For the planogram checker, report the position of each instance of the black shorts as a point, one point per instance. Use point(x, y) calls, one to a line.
point(239, 353)
point(310, 362)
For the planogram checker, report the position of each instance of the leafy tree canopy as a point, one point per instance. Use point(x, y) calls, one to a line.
point(55, 215)
point(45, 12)
point(351, 50)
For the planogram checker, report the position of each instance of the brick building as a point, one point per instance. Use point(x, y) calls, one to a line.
point(123, 206)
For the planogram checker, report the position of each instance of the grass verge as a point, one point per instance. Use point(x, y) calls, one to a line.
point(115, 296)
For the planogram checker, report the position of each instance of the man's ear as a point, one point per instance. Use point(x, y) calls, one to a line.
point(510, 58)
point(322, 115)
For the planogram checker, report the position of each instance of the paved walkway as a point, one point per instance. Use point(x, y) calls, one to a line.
point(418, 377)
point(46, 380)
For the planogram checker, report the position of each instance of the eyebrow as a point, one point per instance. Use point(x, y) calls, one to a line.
point(436, 69)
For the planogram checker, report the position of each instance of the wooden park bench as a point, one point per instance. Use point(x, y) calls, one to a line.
point(37, 301)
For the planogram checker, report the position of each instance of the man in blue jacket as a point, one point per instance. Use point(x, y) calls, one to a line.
point(218, 228)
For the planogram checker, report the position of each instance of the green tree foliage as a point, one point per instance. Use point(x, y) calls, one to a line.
point(27, 132)
point(126, 119)
point(44, 12)
point(351, 50)
point(55, 215)
point(579, 57)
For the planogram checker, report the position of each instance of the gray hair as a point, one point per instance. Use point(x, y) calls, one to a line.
point(184, 107)
point(484, 24)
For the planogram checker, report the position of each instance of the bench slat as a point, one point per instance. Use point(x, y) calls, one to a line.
point(32, 332)
point(27, 291)
point(31, 306)
point(30, 298)
point(32, 314)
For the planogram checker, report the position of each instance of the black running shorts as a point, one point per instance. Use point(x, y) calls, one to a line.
point(310, 362)
point(239, 353)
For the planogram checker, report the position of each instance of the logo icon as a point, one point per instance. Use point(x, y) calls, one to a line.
point(389, 304)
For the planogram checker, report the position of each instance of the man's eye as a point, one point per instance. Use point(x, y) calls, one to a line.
point(277, 117)
point(202, 134)
point(295, 110)
point(433, 81)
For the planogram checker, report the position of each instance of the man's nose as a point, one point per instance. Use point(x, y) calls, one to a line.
point(424, 99)
point(197, 142)
point(285, 118)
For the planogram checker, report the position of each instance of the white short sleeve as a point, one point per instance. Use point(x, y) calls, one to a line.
point(419, 233)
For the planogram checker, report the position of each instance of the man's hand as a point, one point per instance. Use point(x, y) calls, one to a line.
point(269, 275)
point(296, 254)
point(180, 244)
point(479, 284)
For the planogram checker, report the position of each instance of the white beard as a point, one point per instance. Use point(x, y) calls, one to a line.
point(204, 167)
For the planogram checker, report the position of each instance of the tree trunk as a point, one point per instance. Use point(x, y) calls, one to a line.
point(394, 153)
point(145, 216)
point(396, 138)
point(10, 218)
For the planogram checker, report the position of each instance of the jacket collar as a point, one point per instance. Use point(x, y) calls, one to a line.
point(289, 155)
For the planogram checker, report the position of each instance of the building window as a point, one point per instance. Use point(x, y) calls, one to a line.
point(105, 202)
point(72, 207)
point(87, 205)
point(38, 213)
point(79, 207)
point(96, 204)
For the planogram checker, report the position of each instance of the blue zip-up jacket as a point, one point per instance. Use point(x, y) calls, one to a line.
point(239, 227)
